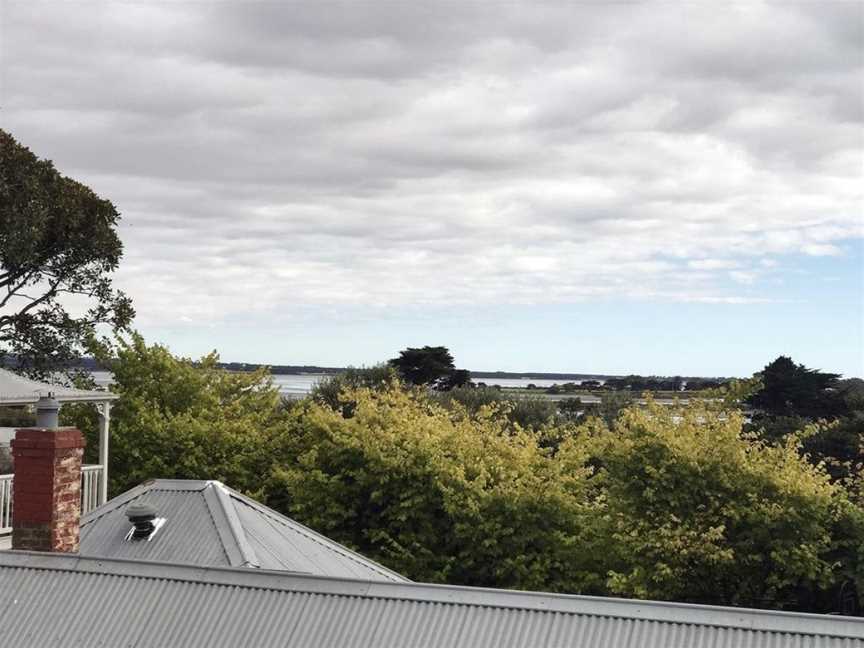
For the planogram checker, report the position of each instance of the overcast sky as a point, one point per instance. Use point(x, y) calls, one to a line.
point(596, 187)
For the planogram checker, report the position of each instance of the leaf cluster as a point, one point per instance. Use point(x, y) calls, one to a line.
point(58, 244)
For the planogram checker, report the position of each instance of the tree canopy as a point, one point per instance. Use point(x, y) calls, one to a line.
point(676, 503)
point(184, 419)
point(667, 503)
point(58, 243)
point(698, 511)
point(790, 389)
point(791, 398)
point(430, 366)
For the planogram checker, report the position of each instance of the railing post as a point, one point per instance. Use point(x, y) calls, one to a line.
point(5, 504)
point(104, 423)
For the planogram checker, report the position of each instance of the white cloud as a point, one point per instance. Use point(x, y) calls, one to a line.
point(272, 156)
point(744, 277)
point(821, 249)
point(712, 264)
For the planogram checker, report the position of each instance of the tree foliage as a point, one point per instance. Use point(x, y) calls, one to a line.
point(672, 503)
point(791, 398)
point(529, 412)
point(333, 390)
point(182, 419)
point(57, 243)
point(668, 503)
point(430, 367)
point(790, 389)
point(436, 494)
point(698, 511)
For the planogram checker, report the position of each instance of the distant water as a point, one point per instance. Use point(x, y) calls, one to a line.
point(301, 384)
point(288, 384)
point(522, 382)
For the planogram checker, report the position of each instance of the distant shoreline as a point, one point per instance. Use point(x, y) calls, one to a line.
point(90, 364)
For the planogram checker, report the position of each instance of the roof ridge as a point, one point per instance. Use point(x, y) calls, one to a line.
point(318, 538)
point(683, 613)
point(218, 500)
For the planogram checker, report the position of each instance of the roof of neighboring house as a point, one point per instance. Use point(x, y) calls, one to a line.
point(207, 523)
point(61, 600)
point(18, 390)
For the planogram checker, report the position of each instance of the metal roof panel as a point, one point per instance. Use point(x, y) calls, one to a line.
point(61, 600)
point(208, 523)
point(18, 390)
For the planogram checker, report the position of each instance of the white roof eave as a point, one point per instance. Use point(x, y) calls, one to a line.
point(18, 390)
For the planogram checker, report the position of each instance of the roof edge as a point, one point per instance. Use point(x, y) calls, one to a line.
point(21, 390)
point(742, 618)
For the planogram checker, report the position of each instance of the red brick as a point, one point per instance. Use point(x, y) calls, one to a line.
point(47, 503)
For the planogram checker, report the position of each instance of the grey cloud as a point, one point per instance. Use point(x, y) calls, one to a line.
point(316, 154)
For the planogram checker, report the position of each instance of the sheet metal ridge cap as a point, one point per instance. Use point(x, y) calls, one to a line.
point(680, 613)
point(396, 577)
point(231, 533)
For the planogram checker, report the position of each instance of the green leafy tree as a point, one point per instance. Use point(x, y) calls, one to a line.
point(610, 406)
point(57, 241)
point(471, 398)
point(332, 390)
point(437, 494)
point(666, 503)
point(430, 366)
point(457, 378)
point(176, 418)
point(533, 412)
point(698, 511)
point(838, 445)
point(530, 412)
point(792, 398)
point(790, 389)
point(571, 409)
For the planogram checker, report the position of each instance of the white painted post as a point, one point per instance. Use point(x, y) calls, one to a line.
point(104, 423)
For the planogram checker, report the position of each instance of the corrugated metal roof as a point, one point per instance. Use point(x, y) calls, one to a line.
point(208, 523)
point(18, 390)
point(61, 600)
point(188, 536)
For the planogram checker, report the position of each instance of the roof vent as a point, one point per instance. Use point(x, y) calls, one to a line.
point(144, 521)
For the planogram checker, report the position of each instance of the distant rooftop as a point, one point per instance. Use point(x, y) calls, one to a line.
point(18, 390)
point(207, 523)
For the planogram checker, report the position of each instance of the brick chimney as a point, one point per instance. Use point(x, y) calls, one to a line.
point(46, 502)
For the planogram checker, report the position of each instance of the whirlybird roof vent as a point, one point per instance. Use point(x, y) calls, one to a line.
point(145, 524)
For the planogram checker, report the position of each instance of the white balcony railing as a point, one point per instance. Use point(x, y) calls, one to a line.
point(91, 483)
point(5, 503)
point(91, 487)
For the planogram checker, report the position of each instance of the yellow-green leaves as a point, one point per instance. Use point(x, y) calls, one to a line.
point(666, 502)
point(435, 493)
point(698, 511)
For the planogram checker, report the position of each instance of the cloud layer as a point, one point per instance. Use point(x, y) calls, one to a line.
point(267, 156)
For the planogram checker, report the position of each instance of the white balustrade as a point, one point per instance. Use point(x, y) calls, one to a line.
point(6, 503)
point(91, 494)
point(91, 488)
